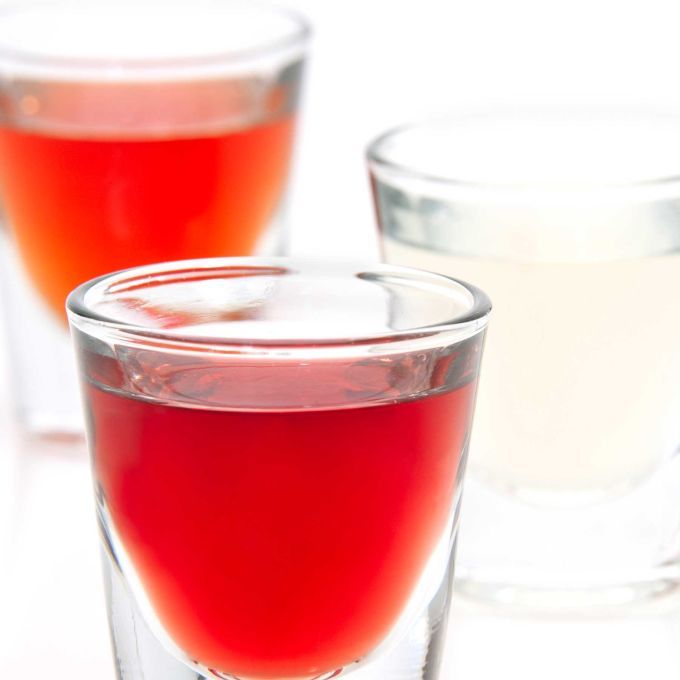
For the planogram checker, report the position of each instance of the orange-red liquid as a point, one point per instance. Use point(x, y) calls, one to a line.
point(80, 207)
point(274, 544)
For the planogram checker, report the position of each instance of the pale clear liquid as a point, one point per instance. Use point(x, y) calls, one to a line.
point(580, 389)
point(571, 501)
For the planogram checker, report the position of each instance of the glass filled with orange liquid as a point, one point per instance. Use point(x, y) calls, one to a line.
point(132, 133)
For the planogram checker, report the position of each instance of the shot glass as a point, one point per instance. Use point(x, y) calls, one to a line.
point(132, 133)
point(278, 449)
point(571, 222)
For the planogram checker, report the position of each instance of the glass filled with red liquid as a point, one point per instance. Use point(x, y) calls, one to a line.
point(133, 133)
point(278, 449)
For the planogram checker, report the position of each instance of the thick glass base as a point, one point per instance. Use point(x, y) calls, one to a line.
point(139, 655)
point(574, 599)
point(579, 556)
point(42, 364)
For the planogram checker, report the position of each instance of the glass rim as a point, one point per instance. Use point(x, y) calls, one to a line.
point(15, 57)
point(474, 319)
point(377, 158)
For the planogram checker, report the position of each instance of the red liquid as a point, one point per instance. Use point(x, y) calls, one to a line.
point(279, 544)
point(80, 207)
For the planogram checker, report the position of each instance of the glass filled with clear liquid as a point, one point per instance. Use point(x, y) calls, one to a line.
point(571, 222)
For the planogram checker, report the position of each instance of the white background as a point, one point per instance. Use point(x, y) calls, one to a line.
point(374, 63)
point(378, 63)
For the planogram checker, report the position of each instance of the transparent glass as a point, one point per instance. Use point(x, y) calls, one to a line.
point(132, 133)
point(278, 448)
point(571, 221)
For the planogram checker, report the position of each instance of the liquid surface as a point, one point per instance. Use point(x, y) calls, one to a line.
point(278, 545)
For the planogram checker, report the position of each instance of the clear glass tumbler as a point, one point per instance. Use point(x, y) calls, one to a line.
point(278, 449)
point(132, 133)
point(571, 222)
